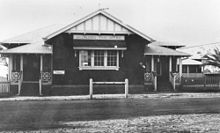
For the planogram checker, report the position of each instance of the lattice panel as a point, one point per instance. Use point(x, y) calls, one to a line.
point(148, 77)
point(46, 76)
point(177, 77)
point(15, 76)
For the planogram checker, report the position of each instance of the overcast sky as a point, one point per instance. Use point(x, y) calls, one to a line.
point(186, 21)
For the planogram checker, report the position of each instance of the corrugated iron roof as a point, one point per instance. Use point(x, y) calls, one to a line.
point(33, 48)
point(198, 51)
point(33, 36)
point(162, 51)
point(167, 44)
point(191, 62)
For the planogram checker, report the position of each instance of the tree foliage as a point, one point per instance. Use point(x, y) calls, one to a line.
point(212, 58)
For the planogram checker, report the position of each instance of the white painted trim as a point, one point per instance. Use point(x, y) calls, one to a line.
point(101, 11)
point(10, 66)
point(101, 32)
point(21, 66)
point(180, 67)
point(170, 64)
point(93, 67)
point(118, 60)
point(152, 63)
point(105, 59)
point(97, 48)
point(99, 68)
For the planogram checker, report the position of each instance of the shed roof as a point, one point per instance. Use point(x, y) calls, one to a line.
point(33, 48)
point(162, 51)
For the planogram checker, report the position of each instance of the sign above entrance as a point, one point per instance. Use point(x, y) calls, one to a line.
point(98, 37)
point(59, 72)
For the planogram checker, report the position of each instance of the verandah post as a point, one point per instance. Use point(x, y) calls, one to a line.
point(90, 88)
point(40, 79)
point(21, 75)
point(126, 88)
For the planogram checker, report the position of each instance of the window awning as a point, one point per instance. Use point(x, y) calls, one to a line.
point(99, 44)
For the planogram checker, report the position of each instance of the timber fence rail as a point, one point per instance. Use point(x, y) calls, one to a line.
point(92, 83)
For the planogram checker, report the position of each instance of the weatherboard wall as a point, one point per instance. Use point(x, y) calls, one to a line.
point(67, 59)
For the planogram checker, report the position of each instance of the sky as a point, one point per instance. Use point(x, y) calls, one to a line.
point(191, 22)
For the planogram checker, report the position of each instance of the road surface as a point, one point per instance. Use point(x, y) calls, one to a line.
point(48, 114)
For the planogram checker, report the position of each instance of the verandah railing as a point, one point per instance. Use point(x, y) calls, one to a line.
point(150, 78)
point(174, 79)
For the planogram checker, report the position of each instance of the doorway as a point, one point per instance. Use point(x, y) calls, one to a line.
point(31, 70)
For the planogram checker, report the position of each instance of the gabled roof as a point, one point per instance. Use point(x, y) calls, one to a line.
point(33, 48)
point(101, 11)
point(162, 51)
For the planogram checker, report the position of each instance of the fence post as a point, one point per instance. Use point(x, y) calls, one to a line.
point(126, 88)
point(174, 82)
point(90, 88)
point(155, 83)
point(40, 87)
point(19, 87)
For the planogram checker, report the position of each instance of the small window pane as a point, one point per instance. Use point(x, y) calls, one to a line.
point(111, 58)
point(99, 58)
point(85, 58)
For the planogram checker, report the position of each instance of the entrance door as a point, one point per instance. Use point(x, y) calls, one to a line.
point(31, 70)
point(165, 68)
point(163, 78)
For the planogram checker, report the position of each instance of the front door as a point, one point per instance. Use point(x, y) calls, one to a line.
point(165, 68)
point(163, 78)
point(31, 68)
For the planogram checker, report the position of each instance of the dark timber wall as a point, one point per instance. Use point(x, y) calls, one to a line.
point(64, 59)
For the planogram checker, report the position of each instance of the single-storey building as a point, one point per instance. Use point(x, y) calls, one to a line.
point(61, 60)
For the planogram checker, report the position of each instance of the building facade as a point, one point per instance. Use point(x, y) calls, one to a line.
point(60, 61)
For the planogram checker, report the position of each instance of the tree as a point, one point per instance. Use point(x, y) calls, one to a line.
point(212, 58)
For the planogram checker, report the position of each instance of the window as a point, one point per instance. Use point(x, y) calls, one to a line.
point(112, 58)
point(98, 60)
point(85, 58)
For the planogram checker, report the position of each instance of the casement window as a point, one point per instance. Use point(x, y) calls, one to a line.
point(98, 60)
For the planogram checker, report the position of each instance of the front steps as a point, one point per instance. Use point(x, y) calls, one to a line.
point(30, 89)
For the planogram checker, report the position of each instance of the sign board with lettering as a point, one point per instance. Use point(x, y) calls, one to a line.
point(98, 37)
point(59, 72)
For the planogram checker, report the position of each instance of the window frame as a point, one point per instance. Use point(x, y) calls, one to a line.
point(93, 67)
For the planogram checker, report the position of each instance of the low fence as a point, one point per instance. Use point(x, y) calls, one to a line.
point(200, 82)
point(92, 83)
point(4, 85)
